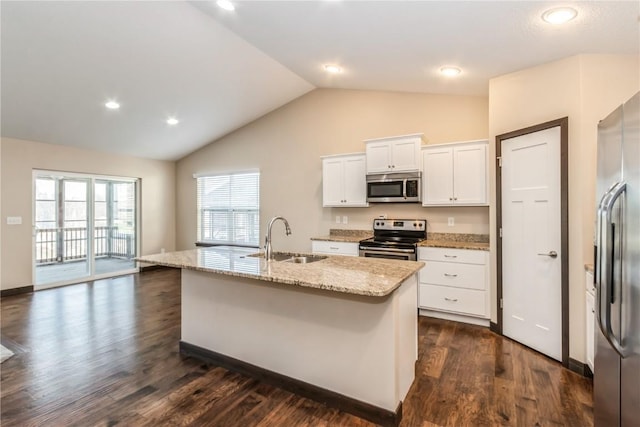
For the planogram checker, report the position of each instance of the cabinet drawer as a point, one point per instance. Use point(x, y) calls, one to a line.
point(464, 301)
point(470, 276)
point(334, 248)
point(452, 255)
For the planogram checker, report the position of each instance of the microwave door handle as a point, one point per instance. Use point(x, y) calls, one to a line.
point(404, 188)
point(607, 239)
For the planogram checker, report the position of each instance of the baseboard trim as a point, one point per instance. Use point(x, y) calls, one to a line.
point(493, 327)
point(16, 291)
point(154, 267)
point(579, 367)
point(330, 398)
point(455, 317)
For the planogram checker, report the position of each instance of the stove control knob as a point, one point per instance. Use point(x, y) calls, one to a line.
point(415, 224)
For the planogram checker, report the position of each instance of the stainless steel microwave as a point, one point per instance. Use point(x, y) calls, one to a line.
point(394, 188)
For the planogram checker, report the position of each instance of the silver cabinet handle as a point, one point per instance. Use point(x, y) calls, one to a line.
point(450, 275)
point(451, 256)
point(333, 248)
point(552, 254)
point(451, 299)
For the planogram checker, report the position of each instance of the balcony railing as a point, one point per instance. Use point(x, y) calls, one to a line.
point(65, 244)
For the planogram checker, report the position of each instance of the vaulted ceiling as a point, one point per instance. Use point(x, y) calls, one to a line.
point(216, 70)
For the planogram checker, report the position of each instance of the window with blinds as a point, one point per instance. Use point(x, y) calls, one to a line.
point(229, 209)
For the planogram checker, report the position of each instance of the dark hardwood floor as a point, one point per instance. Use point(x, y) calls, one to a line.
point(106, 354)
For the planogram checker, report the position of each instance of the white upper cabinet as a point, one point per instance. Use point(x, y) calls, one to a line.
point(455, 174)
point(394, 154)
point(344, 181)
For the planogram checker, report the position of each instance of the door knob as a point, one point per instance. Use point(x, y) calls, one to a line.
point(552, 254)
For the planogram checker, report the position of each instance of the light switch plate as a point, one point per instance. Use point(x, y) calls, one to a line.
point(451, 221)
point(337, 219)
point(345, 219)
point(14, 220)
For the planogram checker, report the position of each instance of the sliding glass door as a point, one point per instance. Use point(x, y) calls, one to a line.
point(85, 227)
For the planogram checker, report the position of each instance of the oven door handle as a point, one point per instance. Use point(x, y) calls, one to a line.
point(373, 249)
point(404, 188)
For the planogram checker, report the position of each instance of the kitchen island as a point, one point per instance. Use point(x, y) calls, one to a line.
point(341, 330)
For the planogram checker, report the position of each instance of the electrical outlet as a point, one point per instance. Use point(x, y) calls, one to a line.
point(345, 219)
point(382, 216)
point(337, 219)
point(451, 221)
point(14, 220)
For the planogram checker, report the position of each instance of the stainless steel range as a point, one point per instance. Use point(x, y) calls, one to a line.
point(395, 239)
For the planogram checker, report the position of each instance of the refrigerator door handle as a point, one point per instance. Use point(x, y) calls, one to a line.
point(606, 240)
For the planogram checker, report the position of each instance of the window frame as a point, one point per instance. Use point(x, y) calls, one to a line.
point(232, 241)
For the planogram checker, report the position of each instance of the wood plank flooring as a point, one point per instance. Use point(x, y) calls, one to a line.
point(106, 354)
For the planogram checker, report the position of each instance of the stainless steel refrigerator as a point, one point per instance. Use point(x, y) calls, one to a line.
point(616, 380)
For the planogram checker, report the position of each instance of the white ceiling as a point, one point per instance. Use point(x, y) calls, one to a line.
point(217, 70)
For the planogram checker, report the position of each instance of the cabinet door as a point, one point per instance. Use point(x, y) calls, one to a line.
point(590, 330)
point(355, 181)
point(333, 182)
point(405, 155)
point(378, 157)
point(437, 176)
point(470, 174)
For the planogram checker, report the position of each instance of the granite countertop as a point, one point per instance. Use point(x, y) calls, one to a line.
point(479, 242)
point(351, 275)
point(347, 236)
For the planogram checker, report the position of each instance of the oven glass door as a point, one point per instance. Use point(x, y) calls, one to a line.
point(385, 189)
point(403, 257)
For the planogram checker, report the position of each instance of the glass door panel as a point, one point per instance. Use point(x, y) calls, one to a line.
point(114, 226)
point(61, 234)
point(85, 227)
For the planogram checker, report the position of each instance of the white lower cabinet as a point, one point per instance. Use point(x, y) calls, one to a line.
point(454, 284)
point(334, 248)
point(590, 320)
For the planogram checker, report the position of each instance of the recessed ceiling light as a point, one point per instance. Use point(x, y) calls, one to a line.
point(332, 68)
point(112, 105)
point(450, 71)
point(559, 15)
point(172, 121)
point(225, 4)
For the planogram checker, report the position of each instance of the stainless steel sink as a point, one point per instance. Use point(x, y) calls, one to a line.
point(284, 257)
point(305, 259)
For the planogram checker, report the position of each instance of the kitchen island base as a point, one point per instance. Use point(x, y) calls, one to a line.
point(356, 353)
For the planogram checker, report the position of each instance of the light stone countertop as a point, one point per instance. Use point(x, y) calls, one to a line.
point(345, 236)
point(478, 246)
point(351, 275)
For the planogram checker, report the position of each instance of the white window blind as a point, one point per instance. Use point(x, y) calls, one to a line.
point(229, 209)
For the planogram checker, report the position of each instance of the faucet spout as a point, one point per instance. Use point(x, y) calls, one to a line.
point(268, 254)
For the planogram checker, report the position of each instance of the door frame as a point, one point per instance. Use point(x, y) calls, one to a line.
point(563, 123)
point(35, 173)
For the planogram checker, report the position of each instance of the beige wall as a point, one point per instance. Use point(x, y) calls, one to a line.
point(20, 157)
point(286, 146)
point(584, 88)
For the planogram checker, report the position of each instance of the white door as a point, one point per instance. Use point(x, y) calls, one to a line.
point(437, 182)
point(405, 155)
point(332, 182)
point(531, 230)
point(378, 157)
point(355, 181)
point(469, 174)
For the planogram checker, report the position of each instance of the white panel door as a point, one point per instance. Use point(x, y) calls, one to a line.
point(531, 230)
point(405, 155)
point(378, 157)
point(332, 182)
point(437, 175)
point(469, 174)
point(355, 181)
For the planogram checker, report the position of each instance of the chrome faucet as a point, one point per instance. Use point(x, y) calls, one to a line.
point(268, 255)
